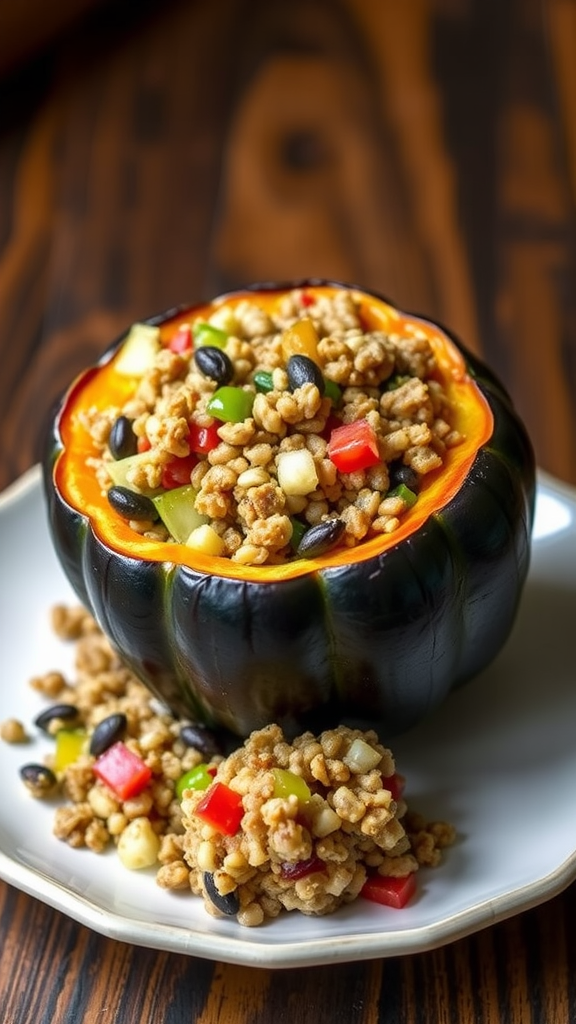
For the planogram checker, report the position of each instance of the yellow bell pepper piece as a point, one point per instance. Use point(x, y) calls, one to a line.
point(301, 339)
point(70, 743)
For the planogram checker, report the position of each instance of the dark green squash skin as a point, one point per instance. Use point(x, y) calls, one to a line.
point(378, 643)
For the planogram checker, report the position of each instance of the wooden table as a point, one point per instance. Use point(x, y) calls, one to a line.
point(426, 149)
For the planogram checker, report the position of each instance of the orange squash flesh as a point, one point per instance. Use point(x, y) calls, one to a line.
point(102, 387)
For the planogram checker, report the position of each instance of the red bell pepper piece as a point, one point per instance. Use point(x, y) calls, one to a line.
point(389, 891)
point(122, 770)
point(353, 446)
point(203, 439)
point(221, 807)
point(182, 340)
point(143, 444)
point(176, 473)
point(396, 785)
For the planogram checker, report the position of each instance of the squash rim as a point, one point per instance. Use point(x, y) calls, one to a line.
point(69, 474)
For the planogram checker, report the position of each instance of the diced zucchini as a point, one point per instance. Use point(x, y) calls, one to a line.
point(139, 350)
point(178, 513)
point(225, 318)
point(119, 471)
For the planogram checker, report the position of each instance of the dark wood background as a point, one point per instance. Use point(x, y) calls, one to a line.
point(160, 152)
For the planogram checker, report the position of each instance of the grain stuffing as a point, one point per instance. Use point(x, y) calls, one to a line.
point(317, 815)
point(276, 432)
point(272, 826)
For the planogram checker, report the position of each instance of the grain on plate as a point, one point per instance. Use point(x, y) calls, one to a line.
point(317, 815)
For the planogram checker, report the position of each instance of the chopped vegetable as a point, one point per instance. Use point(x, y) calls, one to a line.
point(199, 777)
point(208, 334)
point(361, 757)
point(289, 784)
point(326, 820)
point(224, 317)
point(182, 340)
point(300, 339)
point(203, 439)
point(70, 743)
point(230, 404)
point(222, 808)
point(400, 473)
point(395, 381)
point(291, 871)
point(120, 470)
point(353, 446)
point(396, 785)
point(263, 381)
point(408, 496)
point(122, 770)
point(178, 513)
point(298, 530)
point(176, 473)
point(389, 891)
point(333, 392)
point(139, 351)
point(297, 472)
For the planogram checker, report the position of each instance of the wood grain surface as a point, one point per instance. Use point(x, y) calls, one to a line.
point(159, 153)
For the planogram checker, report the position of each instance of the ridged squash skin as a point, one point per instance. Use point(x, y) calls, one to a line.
point(379, 638)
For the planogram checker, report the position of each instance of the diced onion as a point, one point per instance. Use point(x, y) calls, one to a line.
point(361, 757)
point(297, 472)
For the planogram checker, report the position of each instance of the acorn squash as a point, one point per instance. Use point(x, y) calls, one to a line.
point(379, 633)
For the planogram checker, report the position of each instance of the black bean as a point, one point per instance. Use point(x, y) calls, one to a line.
point(38, 778)
point(201, 738)
point(303, 370)
point(107, 732)
point(56, 713)
point(228, 904)
point(122, 441)
point(401, 474)
point(214, 363)
point(321, 538)
point(132, 505)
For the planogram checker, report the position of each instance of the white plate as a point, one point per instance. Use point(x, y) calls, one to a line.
point(498, 760)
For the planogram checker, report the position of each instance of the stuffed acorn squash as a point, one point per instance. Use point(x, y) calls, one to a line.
point(294, 504)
